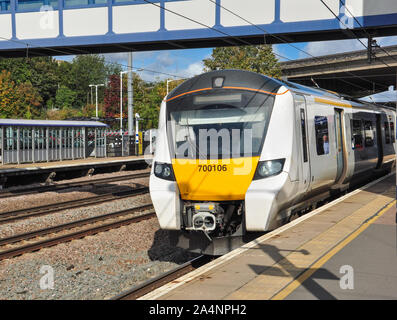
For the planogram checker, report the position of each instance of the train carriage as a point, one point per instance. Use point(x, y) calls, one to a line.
point(239, 152)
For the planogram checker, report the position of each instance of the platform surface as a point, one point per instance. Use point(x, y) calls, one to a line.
point(68, 163)
point(303, 259)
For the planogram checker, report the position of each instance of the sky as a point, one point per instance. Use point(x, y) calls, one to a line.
point(176, 64)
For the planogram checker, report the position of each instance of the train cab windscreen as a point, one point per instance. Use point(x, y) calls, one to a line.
point(221, 125)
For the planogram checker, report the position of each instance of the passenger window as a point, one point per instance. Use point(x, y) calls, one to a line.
point(303, 126)
point(322, 141)
point(369, 134)
point(357, 140)
point(392, 132)
point(387, 132)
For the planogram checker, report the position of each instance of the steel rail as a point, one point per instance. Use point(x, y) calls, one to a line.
point(157, 282)
point(14, 215)
point(62, 186)
point(74, 235)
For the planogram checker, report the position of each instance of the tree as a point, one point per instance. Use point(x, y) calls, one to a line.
point(29, 101)
point(64, 74)
point(40, 72)
point(111, 106)
point(65, 98)
point(112, 97)
point(8, 98)
point(18, 101)
point(260, 59)
point(86, 70)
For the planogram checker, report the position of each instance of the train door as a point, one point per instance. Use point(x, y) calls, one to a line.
point(301, 109)
point(379, 137)
point(339, 143)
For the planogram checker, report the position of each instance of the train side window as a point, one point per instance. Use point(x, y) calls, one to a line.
point(303, 126)
point(392, 132)
point(387, 132)
point(357, 140)
point(368, 134)
point(322, 141)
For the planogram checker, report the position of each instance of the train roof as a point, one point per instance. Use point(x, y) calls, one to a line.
point(234, 78)
point(51, 123)
point(231, 79)
point(331, 94)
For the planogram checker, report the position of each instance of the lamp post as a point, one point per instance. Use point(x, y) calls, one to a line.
point(121, 103)
point(168, 81)
point(96, 96)
point(121, 99)
point(92, 101)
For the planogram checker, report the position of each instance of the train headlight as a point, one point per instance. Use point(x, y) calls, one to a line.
point(158, 169)
point(164, 171)
point(269, 168)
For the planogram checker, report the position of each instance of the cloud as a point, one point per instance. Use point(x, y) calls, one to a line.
point(165, 59)
point(339, 46)
point(122, 57)
point(330, 47)
point(161, 65)
point(194, 69)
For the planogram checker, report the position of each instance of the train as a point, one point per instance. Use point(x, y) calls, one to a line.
point(239, 153)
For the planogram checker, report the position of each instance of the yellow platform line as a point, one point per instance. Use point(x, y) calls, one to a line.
point(319, 263)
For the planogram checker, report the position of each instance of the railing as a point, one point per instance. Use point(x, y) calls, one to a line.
point(31, 144)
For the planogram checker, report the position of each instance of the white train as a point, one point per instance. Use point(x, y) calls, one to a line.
point(239, 152)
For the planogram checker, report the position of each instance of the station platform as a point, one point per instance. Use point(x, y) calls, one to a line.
point(13, 172)
point(346, 249)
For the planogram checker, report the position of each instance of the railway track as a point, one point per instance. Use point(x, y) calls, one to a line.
point(67, 185)
point(157, 282)
point(39, 244)
point(14, 215)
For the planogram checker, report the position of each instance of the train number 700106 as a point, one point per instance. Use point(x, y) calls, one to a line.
point(212, 167)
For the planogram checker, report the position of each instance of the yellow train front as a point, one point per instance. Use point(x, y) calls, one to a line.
point(233, 157)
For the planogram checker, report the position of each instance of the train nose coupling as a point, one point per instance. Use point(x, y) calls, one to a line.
point(203, 217)
point(204, 221)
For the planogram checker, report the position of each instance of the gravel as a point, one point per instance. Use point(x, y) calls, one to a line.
point(95, 267)
point(26, 201)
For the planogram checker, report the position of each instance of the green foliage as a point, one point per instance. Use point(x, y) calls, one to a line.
point(46, 88)
point(18, 100)
point(41, 72)
point(8, 97)
point(29, 101)
point(86, 70)
point(65, 97)
point(62, 114)
point(260, 59)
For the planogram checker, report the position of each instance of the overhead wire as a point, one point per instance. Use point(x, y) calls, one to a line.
point(364, 29)
point(293, 46)
point(351, 31)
